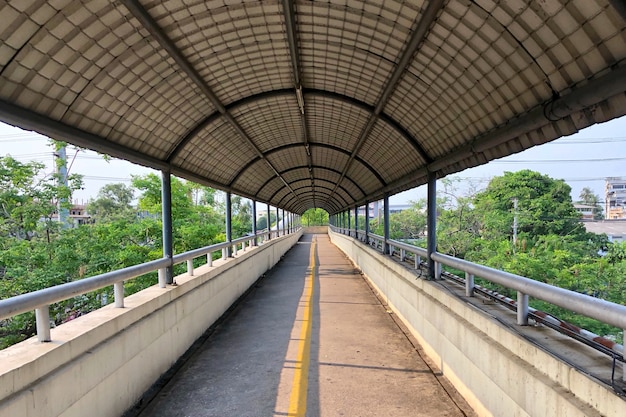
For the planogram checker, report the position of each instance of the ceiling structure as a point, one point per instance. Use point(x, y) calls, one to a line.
point(306, 104)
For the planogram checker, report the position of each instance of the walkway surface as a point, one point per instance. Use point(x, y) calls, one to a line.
point(311, 339)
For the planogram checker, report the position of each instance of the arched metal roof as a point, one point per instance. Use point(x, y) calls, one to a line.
point(311, 103)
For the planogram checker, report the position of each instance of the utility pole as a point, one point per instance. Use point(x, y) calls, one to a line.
point(61, 166)
point(514, 224)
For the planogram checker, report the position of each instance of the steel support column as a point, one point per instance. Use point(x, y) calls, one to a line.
point(283, 219)
point(356, 221)
point(166, 215)
point(254, 242)
point(277, 222)
point(229, 229)
point(269, 223)
point(349, 222)
point(432, 222)
point(367, 222)
point(386, 220)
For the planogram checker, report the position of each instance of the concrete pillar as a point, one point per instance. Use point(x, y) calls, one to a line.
point(166, 216)
point(432, 222)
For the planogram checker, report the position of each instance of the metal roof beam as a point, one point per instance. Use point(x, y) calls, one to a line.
point(415, 40)
point(290, 23)
point(166, 43)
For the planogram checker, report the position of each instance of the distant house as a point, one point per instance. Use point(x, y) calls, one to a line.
point(615, 198)
point(585, 210)
point(78, 215)
point(615, 230)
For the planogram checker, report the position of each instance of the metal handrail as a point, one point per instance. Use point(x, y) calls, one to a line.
point(596, 308)
point(40, 300)
point(605, 311)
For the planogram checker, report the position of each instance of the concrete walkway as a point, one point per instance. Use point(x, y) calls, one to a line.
point(311, 339)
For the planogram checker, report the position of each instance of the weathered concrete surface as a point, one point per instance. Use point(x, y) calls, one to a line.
point(101, 363)
point(499, 367)
point(361, 362)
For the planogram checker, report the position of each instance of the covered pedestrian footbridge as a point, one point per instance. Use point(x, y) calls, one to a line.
point(302, 104)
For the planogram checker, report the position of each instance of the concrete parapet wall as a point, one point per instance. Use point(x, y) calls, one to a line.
point(101, 363)
point(498, 372)
point(316, 230)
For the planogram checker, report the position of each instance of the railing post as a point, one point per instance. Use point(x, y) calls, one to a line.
point(118, 294)
point(234, 248)
point(166, 214)
point(469, 284)
point(190, 267)
point(162, 278)
point(402, 255)
point(209, 259)
point(42, 317)
point(432, 222)
point(224, 253)
point(522, 308)
point(243, 246)
point(624, 354)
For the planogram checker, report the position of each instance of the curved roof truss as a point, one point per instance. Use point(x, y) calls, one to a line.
point(311, 104)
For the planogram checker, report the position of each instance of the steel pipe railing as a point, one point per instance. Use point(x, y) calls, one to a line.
point(586, 305)
point(40, 301)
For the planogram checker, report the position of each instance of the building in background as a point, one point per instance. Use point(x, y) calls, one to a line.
point(615, 198)
point(585, 210)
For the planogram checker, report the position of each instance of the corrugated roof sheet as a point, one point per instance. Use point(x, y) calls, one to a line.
point(311, 103)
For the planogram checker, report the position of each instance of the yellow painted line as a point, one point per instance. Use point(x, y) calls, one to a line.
point(297, 399)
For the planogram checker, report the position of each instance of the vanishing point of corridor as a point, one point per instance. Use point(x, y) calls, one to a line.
point(310, 339)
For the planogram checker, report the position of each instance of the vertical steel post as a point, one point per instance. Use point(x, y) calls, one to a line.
point(166, 215)
point(386, 219)
point(269, 223)
point(432, 222)
point(349, 222)
point(356, 221)
point(284, 231)
point(469, 284)
point(42, 319)
point(367, 222)
point(118, 294)
point(254, 242)
point(229, 229)
point(277, 222)
point(522, 308)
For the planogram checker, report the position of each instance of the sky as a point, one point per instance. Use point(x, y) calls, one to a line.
point(584, 159)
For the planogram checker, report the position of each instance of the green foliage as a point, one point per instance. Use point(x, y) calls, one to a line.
point(315, 217)
point(544, 206)
point(113, 202)
point(36, 253)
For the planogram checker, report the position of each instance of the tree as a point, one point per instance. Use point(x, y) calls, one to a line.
point(589, 198)
point(409, 223)
point(315, 217)
point(544, 206)
point(113, 200)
